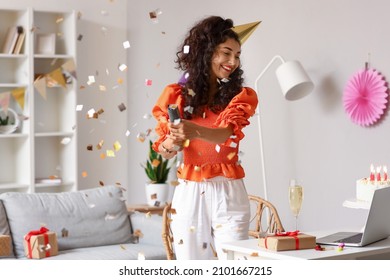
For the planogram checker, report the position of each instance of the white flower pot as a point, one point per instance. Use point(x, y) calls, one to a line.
point(13, 118)
point(157, 194)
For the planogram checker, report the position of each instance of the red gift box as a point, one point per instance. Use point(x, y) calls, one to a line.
point(40, 244)
point(5, 245)
point(288, 241)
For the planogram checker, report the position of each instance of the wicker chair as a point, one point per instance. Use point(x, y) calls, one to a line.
point(261, 207)
point(273, 222)
point(167, 236)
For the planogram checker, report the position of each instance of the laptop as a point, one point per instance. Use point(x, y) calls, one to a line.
point(377, 224)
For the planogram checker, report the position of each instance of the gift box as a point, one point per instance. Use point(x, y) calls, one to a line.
point(40, 244)
point(5, 245)
point(288, 241)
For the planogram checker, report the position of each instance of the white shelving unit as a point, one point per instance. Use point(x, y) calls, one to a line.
point(45, 145)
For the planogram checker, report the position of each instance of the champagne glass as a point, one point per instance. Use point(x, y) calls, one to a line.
point(295, 197)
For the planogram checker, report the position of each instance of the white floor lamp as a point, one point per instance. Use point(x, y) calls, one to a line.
point(295, 84)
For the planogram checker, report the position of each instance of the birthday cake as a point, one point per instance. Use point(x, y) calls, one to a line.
point(366, 187)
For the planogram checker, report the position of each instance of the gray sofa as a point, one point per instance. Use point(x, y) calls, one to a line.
point(90, 224)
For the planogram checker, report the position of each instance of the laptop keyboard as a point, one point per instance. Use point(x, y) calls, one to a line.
point(352, 239)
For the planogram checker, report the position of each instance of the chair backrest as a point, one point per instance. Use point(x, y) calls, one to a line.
point(266, 218)
point(262, 206)
point(167, 236)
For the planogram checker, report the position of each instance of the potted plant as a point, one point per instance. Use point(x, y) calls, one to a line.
point(9, 121)
point(157, 170)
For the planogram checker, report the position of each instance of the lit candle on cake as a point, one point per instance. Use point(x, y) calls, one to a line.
point(378, 173)
point(372, 174)
point(385, 173)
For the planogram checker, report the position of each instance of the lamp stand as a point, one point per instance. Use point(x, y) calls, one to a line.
point(259, 127)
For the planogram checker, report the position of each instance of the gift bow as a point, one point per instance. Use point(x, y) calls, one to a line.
point(293, 234)
point(287, 233)
point(28, 236)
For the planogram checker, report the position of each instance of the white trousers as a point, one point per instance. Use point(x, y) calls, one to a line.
point(207, 214)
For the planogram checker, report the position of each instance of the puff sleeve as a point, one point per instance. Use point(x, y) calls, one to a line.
point(170, 95)
point(238, 112)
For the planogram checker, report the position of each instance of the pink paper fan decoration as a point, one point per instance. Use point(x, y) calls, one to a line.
point(365, 97)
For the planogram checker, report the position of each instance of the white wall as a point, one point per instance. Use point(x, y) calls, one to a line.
point(311, 139)
point(102, 26)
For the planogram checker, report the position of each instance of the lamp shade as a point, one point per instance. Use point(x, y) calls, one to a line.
point(293, 80)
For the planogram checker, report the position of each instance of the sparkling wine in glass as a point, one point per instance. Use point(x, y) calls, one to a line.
point(295, 197)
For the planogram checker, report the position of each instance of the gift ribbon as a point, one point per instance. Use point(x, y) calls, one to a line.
point(293, 234)
point(28, 236)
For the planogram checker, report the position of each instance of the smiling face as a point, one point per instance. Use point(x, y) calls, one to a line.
point(226, 59)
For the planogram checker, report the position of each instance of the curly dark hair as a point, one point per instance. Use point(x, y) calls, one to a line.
point(202, 40)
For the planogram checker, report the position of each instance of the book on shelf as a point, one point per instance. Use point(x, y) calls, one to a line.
point(48, 180)
point(19, 42)
point(11, 39)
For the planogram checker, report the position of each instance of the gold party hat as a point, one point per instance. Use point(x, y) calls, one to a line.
point(245, 30)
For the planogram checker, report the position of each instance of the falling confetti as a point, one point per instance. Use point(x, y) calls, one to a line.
point(122, 107)
point(79, 108)
point(189, 109)
point(122, 67)
point(231, 155)
point(138, 233)
point(174, 183)
point(104, 30)
point(111, 217)
point(191, 92)
point(141, 137)
point(126, 44)
point(155, 163)
point(186, 143)
point(110, 153)
point(186, 49)
point(100, 144)
point(65, 140)
point(91, 113)
point(141, 256)
point(117, 146)
point(84, 174)
point(64, 232)
point(217, 148)
point(91, 80)
point(148, 82)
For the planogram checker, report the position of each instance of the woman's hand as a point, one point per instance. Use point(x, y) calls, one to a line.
point(184, 130)
point(187, 130)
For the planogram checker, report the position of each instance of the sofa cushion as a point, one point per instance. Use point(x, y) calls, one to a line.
point(93, 217)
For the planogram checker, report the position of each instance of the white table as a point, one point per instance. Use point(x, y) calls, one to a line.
point(248, 249)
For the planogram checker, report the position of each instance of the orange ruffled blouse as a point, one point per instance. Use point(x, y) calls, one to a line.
point(203, 160)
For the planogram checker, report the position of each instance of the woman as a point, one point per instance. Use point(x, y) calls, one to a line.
point(211, 203)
